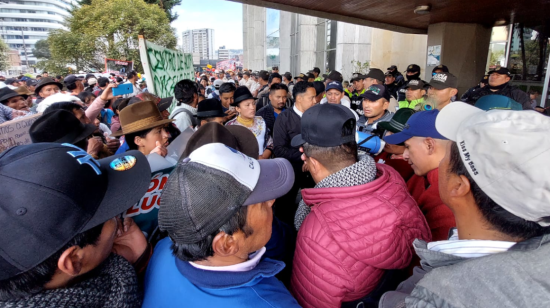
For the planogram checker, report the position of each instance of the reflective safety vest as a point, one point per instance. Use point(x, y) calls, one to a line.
point(412, 104)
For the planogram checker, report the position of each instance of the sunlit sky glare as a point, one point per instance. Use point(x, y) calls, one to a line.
point(225, 17)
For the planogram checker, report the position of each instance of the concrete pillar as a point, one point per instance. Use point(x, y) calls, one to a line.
point(246, 54)
point(463, 49)
point(258, 49)
point(353, 43)
point(284, 41)
point(307, 39)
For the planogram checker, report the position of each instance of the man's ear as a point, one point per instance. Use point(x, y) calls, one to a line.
point(454, 92)
point(429, 143)
point(70, 261)
point(137, 141)
point(314, 165)
point(460, 186)
point(225, 245)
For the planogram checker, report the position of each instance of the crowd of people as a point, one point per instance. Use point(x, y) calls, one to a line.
point(308, 191)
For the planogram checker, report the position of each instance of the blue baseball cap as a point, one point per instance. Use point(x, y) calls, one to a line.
point(420, 124)
point(334, 85)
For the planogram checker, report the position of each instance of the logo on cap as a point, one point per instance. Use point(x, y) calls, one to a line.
point(83, 158)
point(123, 163)
point(375, 90)
point(440, 77)
point(414, 82)
point(410, 66)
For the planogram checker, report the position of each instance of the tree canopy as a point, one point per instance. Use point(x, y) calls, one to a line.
point(41, 49)
point(4, 56)
point(166, 5)
point(108, 29)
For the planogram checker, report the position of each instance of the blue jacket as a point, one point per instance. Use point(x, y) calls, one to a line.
point(170, 282)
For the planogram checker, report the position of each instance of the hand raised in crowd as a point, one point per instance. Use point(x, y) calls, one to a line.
point(112, 144)
point(160, 149)
point(95, 145)
point(230, 115)
point(107, 94)
point(129, 243)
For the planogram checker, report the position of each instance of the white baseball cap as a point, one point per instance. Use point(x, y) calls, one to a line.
point(506, 153)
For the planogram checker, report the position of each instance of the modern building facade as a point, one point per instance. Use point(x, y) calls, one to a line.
point(297, 43)
point(199, 41)
point(223, 53)
point(24, 22)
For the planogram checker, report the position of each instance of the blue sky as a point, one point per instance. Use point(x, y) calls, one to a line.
point(225, 17)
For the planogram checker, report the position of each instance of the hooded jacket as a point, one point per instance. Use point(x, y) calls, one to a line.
point(351, 236)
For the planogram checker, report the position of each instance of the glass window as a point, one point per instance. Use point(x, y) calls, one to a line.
point(272, 37)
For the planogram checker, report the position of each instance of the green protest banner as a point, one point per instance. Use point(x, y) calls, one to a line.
point(164, 67)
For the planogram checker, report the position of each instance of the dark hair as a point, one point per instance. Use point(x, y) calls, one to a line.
point(319, 87)
point(71, 86)
point(129, 138)
point(338, 157)
point(120, 103)
point(274, 75)
point(501, 220)
point(119, 79)
point(185, 91)
point(301, 88)
point(33, 280)
point(227, 87)
point(131, 74)
point(83, 96)
point(59, 77)
point(103, 82)
point(68, 106)
point(203, 249)
point(310, 75)
point(278, 86)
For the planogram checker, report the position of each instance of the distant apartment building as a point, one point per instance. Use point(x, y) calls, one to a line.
point(199, 41)
point(223, 53)
point(24, 22)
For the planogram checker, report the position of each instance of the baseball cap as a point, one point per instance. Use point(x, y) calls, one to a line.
point(391, 73)
point(502, 71)
point(356, 77)
point(60, 126)
point(398, 121)
point(72, 79)
point(210, 186)
point(92, 81)
point(485, 79)
point(413, 68)
point(302, 76)
point(415, 84)
point(442, 81)
point(31, 82)
point(420, 124)
point(44, 208)
point(442, 67)
point(393, 67)
point(490, 102)
point(165, 103)
point(233, 136)
point(376, 92)
point(375, 73)
point(505, 153)
point(11, 81)
point(218, 83)
point(334, 85)
point(322, 126)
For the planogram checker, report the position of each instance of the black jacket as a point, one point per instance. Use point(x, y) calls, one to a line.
point(267, 114)
point(508, 91)
point(471, 95)
point(287, 125)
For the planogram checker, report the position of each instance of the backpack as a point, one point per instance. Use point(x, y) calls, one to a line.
point(194, 120)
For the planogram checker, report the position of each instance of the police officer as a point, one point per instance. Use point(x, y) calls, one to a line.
point(473, 93)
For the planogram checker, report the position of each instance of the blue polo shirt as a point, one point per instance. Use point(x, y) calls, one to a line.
point(170, 282)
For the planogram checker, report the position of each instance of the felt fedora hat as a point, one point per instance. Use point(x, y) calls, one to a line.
point(140, 116)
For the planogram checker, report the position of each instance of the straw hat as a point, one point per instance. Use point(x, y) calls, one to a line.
point(139, 117)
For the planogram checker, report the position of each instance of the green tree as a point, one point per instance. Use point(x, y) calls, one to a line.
point(41, 50)
point(166, 5)
point(109, 29)
point(4, 56)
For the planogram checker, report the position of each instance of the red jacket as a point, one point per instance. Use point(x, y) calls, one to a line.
point(425, 191)
point(351, 236)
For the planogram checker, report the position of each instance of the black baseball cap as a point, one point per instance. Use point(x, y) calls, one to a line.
point(357, 77)
point(31, 82)
point(485, 79)
point(376, 73)
point(335, 75)
point(442, 81)
point(413, 68)
point(415, 84)
point(441, 67)
point(391, 73)
point(322, 126)
point(302, 76)
point(393, 67)
point(502, 71)
point(72, 79)
point(44, 208)
point(11, 81)
point(376, 92)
